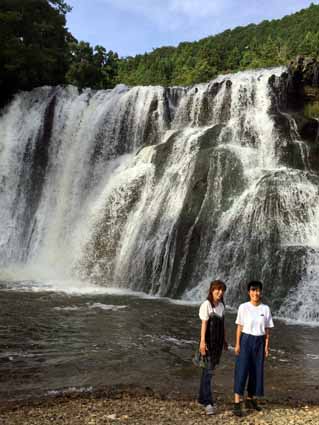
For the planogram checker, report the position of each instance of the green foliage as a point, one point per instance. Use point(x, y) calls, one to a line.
point(91, 67)
point(61, 5)
point(33, 44)
point(268, 44)
point(36, 49)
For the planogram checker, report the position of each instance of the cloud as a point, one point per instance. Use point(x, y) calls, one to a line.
point(171, 15)
point(194, 9)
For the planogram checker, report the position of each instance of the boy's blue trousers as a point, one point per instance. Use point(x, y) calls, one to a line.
point(250, 364)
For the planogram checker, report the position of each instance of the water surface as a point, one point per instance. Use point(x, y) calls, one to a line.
point(53, 341)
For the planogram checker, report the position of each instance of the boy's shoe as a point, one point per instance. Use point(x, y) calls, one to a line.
point(251, 404)
point(210, 410)
point(237, 410)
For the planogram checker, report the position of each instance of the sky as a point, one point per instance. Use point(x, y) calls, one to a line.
point(131, 27)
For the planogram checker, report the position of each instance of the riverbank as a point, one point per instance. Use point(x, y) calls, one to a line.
point(144, 408)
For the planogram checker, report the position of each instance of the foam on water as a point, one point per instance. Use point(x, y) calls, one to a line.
point(70, 390)
point(106, 307)
point(69, 287)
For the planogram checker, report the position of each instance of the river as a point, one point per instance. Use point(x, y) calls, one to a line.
point(88, 338)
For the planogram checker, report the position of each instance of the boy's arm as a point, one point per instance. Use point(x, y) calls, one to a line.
point(238, 334)
point(267, 338)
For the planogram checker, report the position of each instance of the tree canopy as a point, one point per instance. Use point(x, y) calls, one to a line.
point(33, 44)
point(91, 67)
point(267, 44)
point(37, 49)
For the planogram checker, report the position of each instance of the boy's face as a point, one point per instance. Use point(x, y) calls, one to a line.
point(254, 294)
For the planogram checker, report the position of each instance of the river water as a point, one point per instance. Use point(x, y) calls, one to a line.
point(90, 338)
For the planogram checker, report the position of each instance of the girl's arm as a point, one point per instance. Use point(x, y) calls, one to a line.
point(202, 345)
point(238, 334)
point(267, 337)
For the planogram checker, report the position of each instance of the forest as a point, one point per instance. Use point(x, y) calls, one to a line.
point(270, 43)
point(36, 48)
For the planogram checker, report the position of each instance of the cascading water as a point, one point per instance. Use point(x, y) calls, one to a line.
point(54, 157)
point(160, 189)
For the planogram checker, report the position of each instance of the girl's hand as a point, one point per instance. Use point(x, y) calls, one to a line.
point(237, 350)
point(202, 348)
point(266, 352)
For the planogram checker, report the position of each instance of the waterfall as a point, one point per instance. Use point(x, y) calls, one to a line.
point(162, 189)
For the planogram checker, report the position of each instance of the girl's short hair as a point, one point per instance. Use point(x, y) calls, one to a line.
point(254, 284)
point(215, 284)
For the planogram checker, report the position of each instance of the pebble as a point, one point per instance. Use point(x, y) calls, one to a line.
point(137, 409)
point(111, 416)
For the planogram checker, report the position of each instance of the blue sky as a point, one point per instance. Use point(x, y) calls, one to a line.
point(130, 27)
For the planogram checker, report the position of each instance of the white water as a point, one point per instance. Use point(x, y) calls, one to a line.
point(114, 205)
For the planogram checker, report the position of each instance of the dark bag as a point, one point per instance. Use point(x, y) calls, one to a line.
point(199, 360)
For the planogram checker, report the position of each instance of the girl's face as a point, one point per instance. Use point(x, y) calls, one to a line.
point(217, 294)
point(254, 295)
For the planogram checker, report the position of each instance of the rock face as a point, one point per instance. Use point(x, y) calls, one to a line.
point(297, 93)
point(162, 189)
point(299, 85)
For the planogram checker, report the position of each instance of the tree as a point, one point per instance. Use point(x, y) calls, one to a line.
point(92, 67)
point(62, 6)
point(33, 44)
point(269, 43)
point(203, 72)
point(82, 71)
point(309, 45)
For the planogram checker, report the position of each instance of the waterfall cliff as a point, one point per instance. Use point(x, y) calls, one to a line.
point(161, 189)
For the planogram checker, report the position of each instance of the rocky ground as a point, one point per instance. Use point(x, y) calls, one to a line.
point(145, 409)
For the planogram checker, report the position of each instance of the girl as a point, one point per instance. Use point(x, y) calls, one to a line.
point(212, 340)
point(253, 321)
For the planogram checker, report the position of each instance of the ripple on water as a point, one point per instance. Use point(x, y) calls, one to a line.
point(91, 306)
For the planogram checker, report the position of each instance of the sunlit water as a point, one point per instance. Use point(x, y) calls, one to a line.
point(88, 339)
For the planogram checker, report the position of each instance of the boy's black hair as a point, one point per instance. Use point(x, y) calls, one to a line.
point(254, 284)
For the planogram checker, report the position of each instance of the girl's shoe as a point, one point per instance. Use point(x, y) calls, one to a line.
point(210, 410)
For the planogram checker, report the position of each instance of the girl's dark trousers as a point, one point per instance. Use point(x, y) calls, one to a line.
point(205, 388)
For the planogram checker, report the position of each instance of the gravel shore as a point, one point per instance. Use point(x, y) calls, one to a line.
point(143, 409)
